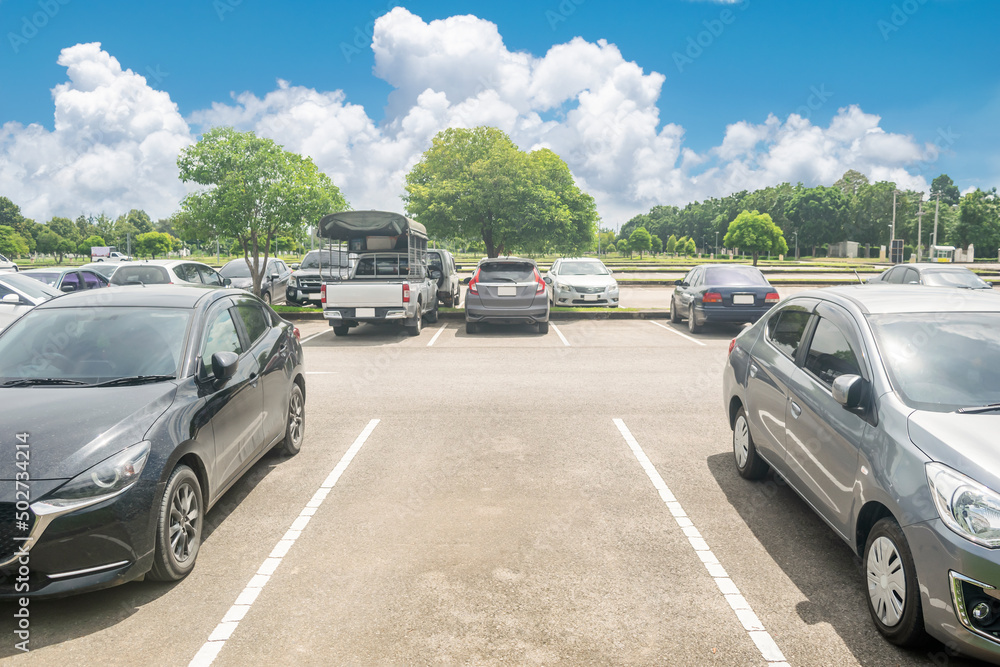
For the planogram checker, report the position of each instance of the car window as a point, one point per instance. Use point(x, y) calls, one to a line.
point(142, 274)
point(209, 276)
point(434, 261)
point(220, 336)
point(91, 280)
point(954, 278)
point(735, 275)
point(49, 278)
point(366, 267)
point(72, 281)
point(188, 273)
point(33, 288)
point(896, 275)
point(830, 354)
point(911, 277)
point(785, 329)
point(254, 320)
point(506, 272)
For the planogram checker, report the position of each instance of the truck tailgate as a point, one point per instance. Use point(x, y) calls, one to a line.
point(353, 294)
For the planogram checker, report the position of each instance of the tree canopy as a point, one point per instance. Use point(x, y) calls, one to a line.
point(640, 240)
point(476, 183)
point(755, 232)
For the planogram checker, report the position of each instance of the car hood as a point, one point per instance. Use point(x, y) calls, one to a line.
point(966, 443)
point(585, 281)
point(71, 429)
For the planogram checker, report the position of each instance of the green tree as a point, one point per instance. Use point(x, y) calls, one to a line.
point(65, 228)
point(670, 247)
point(623, 247)
point(819, 215)
point(656, 244)
point(640, 240)
point(978, 223)
point(690, 248)
point(83, 248)
point(256, 191)
point(756, 233)
point(946, 187)
point(48, 243)
point(607, 237)
point(154, 243)
point(477, 184)
point(12, 244)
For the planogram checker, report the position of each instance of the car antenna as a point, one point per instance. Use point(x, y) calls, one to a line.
point(858, 276)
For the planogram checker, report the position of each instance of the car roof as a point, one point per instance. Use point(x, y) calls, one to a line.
point(876, 299)
point(53, 269)
point(580, 259)
point(156, 296)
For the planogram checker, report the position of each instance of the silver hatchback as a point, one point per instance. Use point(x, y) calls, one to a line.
point(879, 405)
point(507, 290)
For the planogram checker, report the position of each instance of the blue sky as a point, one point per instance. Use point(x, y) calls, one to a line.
point(925, 70)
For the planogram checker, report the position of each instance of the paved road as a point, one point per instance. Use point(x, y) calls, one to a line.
point(521, 499)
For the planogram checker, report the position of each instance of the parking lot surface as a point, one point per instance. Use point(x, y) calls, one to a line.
point(500, 498)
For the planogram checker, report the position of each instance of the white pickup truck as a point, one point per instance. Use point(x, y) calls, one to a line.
point(390, 282)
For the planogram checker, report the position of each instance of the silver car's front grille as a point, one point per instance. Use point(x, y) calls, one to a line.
point(589, 290)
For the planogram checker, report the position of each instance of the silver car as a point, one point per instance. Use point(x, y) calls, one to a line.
point(167, 272)
point(273, 283)
point(581, 282)
point(19, 294)
point(879, 405)
point(7, 265)
point(506, 290)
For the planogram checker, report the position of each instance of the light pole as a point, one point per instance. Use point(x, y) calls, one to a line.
point(920, 220)
point(796, 245)
point(716, 244)
point(892, 234)
point(937, 210)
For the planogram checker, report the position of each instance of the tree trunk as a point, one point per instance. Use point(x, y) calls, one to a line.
point(755, 258)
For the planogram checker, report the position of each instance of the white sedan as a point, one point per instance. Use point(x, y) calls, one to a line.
point(581, 282)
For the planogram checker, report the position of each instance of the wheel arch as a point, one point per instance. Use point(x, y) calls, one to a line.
point(871, 513)
point(735, 403)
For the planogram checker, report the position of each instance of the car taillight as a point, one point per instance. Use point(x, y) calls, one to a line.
point(298, 335)
point(772, 297)
point(711, 297)
point(539, 283)
point(732, 344)
point(406, 292)
point(322, 295)
point(473, 287)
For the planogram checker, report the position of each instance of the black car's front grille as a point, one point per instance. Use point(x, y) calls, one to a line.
point(11, 529)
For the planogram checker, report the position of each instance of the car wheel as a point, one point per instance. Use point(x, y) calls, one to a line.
point(449, 302)
point(471, 327)
point(457, 299)
point(432, 317)
point(295, 426)
point(178, 527)
point(543, 327)
point(675, 312)
point(693, 326)
point(893, 592)
point(415, 329)
point(748, 462)
point(266, 296)
point(341, 330)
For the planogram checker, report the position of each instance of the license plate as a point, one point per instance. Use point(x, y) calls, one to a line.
point(591, 297)
point(507, 290)
point(743, 299)
point(364, 312)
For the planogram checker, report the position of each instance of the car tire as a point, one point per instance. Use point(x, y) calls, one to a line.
point(749, 464)
point(341, 330)
point(675, 312)
point(471, 327)
point(414, 330)
point(432, 317)
point(457, 299)
point(693, 325)
point(543, 327)
point(266, 296)
point(295, 424)
point(178, 526)
point(893, 590)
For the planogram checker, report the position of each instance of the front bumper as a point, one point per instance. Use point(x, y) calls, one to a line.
point(942, 560)
point(532, 315)
point(573, 297)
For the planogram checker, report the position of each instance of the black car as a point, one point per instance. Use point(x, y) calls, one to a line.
point(134, 410)
point(317, 267)
point(934, 275)
point(733, 294)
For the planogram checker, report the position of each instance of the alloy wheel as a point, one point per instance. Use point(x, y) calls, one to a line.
point(185, 515)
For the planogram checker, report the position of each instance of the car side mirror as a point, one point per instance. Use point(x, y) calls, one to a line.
point(680, 283)
point(435, 274)
point(849, 391)
point(68, 288)
point(11, 298)
point(227, 282)
point(548, 280)
point(224, 366)
point(295, 266)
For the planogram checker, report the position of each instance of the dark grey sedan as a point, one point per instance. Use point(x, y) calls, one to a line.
point(137, 409)
point(879, 405)
point(721, 294)
point(507, 290)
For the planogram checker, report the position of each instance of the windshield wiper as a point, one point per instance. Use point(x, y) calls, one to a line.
point(30, 382)
point(134, 379)
point(976, 410)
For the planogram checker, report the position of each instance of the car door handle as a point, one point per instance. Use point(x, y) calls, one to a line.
point(753, 370)
point(796, 410)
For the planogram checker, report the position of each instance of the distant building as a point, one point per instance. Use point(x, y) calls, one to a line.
point(847, 249)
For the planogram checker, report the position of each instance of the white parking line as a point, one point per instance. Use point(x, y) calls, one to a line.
point(744, 613)
point(224, 630)
point(439, 331)
point(672, 330)
point(563, 338)
point(306, 340)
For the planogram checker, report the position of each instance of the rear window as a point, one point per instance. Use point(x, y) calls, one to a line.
point(140, 275)
point(49, 279)
point(507, 272)
point(734, 275)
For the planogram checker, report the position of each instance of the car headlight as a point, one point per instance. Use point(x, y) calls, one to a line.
point(966, 506)
point(563, 288)
point(612, 288)
point(108, 478)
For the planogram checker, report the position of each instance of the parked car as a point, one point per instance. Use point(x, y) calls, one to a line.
point(581, 282)
point(145, 406)
point(106, 269)
point(449, 287)
point(879, 406)
point(272, 285)
point(167, 272)
point(68, 280)
point(507, 290)
point(19, 294)
point(318, 266)
point(717, 293)
point(7, 265)
point(936, 275)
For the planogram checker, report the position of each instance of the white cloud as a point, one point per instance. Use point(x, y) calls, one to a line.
point(116, 139)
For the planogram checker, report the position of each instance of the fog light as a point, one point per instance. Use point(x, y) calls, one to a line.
point(981, 612)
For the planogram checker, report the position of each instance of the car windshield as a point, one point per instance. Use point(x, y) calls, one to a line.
point(92, 345)
point(33, 288)
point(328, 258)
point(583, 269)
point(941, 362)
point(49, 278)
point(954, 278)
point(141, 274)
point(507, 272)
point(734, 275)
point(106, 269)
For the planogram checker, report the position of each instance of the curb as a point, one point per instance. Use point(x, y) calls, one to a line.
point(609, 314)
